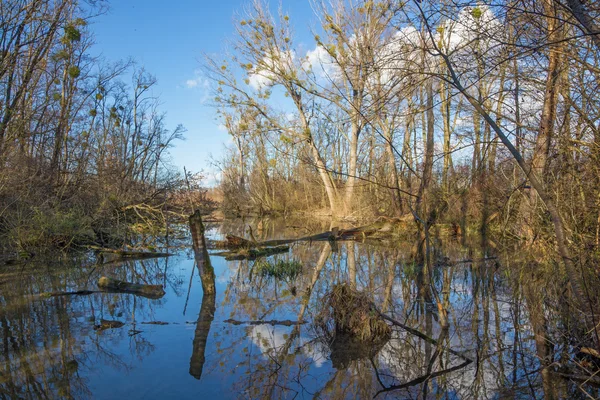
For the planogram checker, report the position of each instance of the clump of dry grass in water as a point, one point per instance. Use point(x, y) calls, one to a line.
point(349, 312)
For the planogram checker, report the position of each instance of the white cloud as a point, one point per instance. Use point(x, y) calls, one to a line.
point(320, 62)
point(471, 23)
point(198, 81)
point(272, 339)
point(264, 74)
point(200, 84)
point(259, 80)
point(191, 83)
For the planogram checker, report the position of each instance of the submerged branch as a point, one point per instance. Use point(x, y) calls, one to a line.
point(285, 322)
point(122, 254)
point(252, 254)
point(149, 291)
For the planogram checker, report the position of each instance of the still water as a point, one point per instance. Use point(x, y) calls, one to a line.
point(504, 338)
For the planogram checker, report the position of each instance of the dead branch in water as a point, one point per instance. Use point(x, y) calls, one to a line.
point(233, 242)
point(125, 254)
point(149, 291)
point(252, 254)
point(73, 293)
point(421, 335)
point(273, 322)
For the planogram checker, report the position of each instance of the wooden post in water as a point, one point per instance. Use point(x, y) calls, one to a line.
point(207, 308)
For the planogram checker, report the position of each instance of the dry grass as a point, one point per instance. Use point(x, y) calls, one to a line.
point(349, 312)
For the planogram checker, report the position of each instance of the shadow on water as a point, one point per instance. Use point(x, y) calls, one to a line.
point(473, 322)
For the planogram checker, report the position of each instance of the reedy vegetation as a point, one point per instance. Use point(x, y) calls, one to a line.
point(82, 153)
point(477, 114)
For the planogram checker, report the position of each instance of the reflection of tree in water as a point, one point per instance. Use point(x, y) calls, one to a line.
point(478, 298)
point(504, 317)
point(48, 344)
point(207, 308)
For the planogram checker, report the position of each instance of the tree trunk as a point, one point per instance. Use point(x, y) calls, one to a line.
point(352, 167)
point(445, 104)
point(208, 306)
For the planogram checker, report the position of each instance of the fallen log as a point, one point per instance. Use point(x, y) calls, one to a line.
point(236, 242)
point(273, 322)
point(252, 254)
point(73, 293)
point(114, 254)
point(47, 295)
point(149, 291)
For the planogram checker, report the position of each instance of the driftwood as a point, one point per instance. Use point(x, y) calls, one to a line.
point(149, 291)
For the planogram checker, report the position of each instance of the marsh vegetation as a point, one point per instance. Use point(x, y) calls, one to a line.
point(409, 207)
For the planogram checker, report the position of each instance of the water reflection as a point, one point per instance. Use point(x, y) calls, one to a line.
point(468, 326)
point(207, 308)
point(49, 344)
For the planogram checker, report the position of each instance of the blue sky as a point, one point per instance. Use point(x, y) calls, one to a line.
point(169, 39)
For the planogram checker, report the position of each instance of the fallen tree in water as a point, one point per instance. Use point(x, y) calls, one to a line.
point(108, 285)
point(149, 291)
point(233, 242)
point(252, 254)
point(273, 322)
point(240, 248)
point(109, 255)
